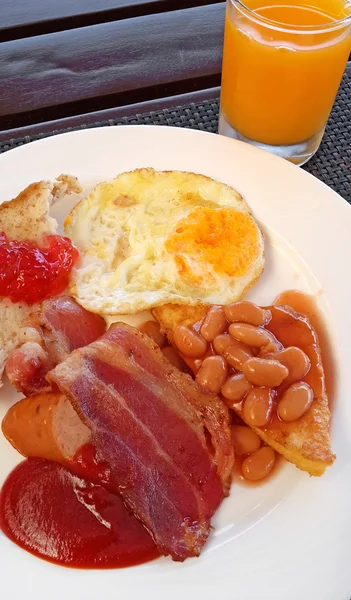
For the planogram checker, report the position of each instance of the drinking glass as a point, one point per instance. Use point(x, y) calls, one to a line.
point(282, 67)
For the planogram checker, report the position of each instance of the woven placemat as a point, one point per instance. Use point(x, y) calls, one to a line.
point(331, 164)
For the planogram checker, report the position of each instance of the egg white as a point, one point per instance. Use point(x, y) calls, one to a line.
point(120, 230)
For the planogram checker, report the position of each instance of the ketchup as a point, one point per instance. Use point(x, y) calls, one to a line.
point(30, 273)
point(68, 520)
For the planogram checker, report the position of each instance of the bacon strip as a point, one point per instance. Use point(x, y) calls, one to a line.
point(67, 326)
point(145, 428)
point(214, 413)
point(48, 335)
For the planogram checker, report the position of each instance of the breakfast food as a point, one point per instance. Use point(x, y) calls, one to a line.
point(12, 319)
point(34, 271)
point(132, 437)
point(170, 482)
point(148, 238)
point(71, 520)
point(266, 364)
point(25, 219)
point(45, 426)
point(45, 335)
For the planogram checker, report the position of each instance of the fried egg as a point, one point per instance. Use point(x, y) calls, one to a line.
point(153, 237)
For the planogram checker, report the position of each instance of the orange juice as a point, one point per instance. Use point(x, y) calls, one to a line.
point(282, 66)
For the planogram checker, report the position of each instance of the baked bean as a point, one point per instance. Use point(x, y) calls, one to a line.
point(212, 373)
point(214, 323)
point(237, 354)
point(259, 464)
point(295, 360)
point(194, 364)
point(235, 388)
point(172, 355)
point(250, 335)
point(245, 440)
point(264, 372)
point(295, 402)
point(152, 329)
point(247, 312)
point(272, 346)
point(258, 407)
point(221, 343)
point(189, 342)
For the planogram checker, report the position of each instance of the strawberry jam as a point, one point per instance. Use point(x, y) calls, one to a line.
point(29, 273)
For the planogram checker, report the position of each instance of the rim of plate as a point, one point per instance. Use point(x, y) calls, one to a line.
point(173, 129)
point(312, 524)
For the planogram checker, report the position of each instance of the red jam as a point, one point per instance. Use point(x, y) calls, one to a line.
point(30, 273)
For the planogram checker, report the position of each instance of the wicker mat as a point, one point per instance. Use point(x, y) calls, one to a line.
point(331, 164)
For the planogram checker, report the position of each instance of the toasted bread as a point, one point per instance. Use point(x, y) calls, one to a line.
point(306, 442)
point(27, 217)
point(12, 319)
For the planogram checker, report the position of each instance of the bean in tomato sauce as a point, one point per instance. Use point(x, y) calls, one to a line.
point(272, 356)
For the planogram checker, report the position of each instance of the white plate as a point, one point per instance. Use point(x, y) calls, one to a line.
point(288, 539)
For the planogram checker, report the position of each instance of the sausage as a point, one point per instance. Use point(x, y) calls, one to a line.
point(45, 426)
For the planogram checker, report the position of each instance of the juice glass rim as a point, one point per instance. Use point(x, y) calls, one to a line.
point(284, 27)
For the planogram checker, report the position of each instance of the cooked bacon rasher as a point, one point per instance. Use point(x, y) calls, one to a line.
point(148, 423)
point(57, 327)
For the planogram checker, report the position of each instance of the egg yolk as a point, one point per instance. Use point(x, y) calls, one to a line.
point(226, 239)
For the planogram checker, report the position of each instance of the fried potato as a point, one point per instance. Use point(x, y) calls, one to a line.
point(306, 442)
point(171, 315)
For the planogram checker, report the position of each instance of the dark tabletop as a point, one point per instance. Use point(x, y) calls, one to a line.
point(67, 58)
point(81, 63)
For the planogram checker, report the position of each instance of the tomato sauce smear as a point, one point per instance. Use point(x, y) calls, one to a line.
point(70, 521)
point(30, 273)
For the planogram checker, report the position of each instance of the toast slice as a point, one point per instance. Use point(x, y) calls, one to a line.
point(306, 442)
point(27, 217)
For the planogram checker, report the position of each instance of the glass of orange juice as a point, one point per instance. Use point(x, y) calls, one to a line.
point(283, 62)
